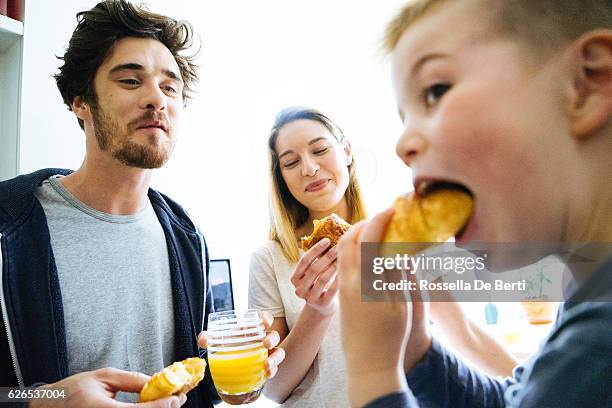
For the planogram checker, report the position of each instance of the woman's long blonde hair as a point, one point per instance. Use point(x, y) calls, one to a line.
point(287, 213)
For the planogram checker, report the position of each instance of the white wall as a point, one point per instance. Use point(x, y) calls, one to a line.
point(257, 57)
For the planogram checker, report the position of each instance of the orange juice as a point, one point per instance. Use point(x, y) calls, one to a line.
point(238, 375)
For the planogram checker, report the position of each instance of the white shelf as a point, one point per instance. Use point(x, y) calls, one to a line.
point(8, 25)
point(11, 36)
point(10, 32)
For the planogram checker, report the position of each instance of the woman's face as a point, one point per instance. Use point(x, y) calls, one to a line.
point(313, 164)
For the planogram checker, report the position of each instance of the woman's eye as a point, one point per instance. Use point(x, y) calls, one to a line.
point(321, 151)
point(129, 81)
point(169, 89)
point(290, 164)
point(434, 93)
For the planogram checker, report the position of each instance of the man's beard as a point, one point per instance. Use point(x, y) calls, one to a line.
point(111, 138)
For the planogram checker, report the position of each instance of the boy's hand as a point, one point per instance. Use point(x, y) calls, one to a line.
point(315, 280)
point(374, 334)
point(275, 355)
point(419, 336)
point(98, 389)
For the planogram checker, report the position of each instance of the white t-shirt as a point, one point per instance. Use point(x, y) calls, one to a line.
point(270, 289)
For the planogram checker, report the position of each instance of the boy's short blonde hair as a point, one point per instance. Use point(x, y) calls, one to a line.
point(543, 25)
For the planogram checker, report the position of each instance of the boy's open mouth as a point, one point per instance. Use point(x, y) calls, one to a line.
point(424, 187)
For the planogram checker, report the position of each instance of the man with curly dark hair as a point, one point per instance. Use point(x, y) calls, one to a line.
point(104, 278)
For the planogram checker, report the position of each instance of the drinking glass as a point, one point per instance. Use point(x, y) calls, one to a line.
point(236, 355)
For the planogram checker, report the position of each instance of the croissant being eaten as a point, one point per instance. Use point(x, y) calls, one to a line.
point(432, 217)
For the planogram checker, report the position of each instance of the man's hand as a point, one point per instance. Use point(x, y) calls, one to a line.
point(275, 355)
point(315, 280)
point(98, 389)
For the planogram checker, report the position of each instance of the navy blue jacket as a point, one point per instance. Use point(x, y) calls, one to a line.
point(32, 334)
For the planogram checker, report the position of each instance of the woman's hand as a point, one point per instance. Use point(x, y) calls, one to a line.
point(275, 355)
point(315, 280)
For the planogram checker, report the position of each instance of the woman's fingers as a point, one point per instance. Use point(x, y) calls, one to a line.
point(314, 272)
point(331, 292)
point(274, 359)
point(271, 373)
point(324, 281)
point(267, 319)
point(202, 340)
point(307, 259)
point(271, 340)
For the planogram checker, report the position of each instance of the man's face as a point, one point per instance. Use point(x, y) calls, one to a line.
point(139, 102)
point(478, 112)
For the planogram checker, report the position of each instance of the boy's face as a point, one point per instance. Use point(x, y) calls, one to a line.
point(477, 112)
point(139, 101)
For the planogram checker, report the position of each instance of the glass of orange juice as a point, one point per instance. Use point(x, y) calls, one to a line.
point(236, 355)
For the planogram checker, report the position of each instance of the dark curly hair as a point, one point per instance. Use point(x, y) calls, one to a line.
point(97, 32)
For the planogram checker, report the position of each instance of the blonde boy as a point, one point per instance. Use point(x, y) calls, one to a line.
point(512, 99)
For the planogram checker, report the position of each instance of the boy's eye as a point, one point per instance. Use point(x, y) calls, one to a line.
point(435, 92)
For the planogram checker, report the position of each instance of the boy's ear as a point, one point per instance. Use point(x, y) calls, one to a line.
point(591, 103)
point(81, 108)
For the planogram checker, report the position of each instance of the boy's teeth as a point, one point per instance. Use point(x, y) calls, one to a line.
point(422, 188)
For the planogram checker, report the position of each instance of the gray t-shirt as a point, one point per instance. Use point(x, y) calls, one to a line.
point(115, 281)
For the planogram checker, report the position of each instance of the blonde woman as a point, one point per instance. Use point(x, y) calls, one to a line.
point(313, 174)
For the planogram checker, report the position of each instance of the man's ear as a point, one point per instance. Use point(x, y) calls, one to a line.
point(81, 108)
point(348, 152)
point(591, 101)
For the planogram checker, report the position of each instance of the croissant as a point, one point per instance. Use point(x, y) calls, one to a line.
point(433, 217)
point(179, 377)
point(332, 227)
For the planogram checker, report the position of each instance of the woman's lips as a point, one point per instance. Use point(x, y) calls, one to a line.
point(317, 185)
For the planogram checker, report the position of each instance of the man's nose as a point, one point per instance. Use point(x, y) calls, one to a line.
point(154, 98)
point(309, 166)
point(410, 145)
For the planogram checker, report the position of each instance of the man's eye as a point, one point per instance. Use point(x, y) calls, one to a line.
point(129, 81)
point(434, 93)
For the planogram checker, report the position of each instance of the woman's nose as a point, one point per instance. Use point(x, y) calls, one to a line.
point(309, 166)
